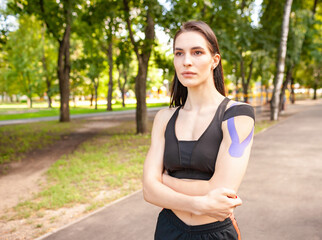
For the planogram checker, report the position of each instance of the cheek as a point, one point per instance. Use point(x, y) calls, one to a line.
point(176, 63)
point(205, 64)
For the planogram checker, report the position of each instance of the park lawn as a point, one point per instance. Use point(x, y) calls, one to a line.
point(263, 125)
point(7, 112)
point(110, 164)
point(16, 140)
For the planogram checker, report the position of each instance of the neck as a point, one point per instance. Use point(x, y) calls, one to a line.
point(202, 97)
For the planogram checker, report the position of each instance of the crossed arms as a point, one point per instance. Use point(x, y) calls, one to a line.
point(215, 197)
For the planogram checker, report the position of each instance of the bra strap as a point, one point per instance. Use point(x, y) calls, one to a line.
point(239, 110)
point(220, 112)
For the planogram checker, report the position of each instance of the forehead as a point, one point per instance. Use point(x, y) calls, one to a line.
point(187, 40)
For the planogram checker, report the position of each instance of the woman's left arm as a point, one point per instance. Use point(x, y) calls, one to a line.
point(231, 163)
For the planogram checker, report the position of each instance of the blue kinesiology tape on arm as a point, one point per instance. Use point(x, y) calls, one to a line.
point(236, 148)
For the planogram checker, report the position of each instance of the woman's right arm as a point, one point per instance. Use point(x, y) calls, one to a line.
point(217, 204)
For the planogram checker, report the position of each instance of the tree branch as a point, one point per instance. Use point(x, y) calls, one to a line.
point(42, 8)
point(128, 22)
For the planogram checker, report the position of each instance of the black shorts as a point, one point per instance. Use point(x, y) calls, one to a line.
point(170, 227)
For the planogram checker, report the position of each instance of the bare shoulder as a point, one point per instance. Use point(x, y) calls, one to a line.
point(243, 124)
point(164, 115)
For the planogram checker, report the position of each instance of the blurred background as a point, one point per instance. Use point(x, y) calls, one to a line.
point(62, 59)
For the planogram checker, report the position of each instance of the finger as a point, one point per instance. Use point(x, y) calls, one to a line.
point(237, 201)
point(229, 192)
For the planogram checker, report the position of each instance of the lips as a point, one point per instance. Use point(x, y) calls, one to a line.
point(188, 74)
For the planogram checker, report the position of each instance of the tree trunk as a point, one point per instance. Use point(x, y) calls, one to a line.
point(29, 91)
point(48, 95)
point(63, 59)
point(315, 87)
point(236, 97)
point(96, 87)
point(63, 75)
point(245, 83)
point(110, 82)
point(284, 86)
point(143, 59)
point(242, 74)
point(292, 91)
point(281, 61)
point(122, 86)
point(140, 93)
point(92, 98)
point(96, 98)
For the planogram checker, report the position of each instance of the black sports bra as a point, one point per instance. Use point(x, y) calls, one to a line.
point(197, 159)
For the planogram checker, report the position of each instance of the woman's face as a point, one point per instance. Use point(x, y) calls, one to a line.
point(192, 59)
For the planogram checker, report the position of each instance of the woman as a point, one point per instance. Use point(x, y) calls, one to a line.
point(200, 147)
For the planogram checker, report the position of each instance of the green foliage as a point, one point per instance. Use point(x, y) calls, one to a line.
point(24, 55)
point(97, 23)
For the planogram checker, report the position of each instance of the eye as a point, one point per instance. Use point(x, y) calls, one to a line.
point(178, 53)
point(198, 52)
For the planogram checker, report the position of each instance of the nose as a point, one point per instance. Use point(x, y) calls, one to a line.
point(187, 60)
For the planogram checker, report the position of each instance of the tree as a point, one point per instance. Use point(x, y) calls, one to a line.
point(57, 15)
point(101, 21)
point(142, 49)
point(49, 57)
point(24, 56)
point(311, 57)
point(301, 23)
point(123, 62)
point(278, 80)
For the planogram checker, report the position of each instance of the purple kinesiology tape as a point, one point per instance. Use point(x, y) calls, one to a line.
point(237, 149)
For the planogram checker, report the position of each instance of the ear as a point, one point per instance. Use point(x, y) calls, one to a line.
point(216, 59)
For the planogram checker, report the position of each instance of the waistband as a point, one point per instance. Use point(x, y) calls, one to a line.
point(196, 229)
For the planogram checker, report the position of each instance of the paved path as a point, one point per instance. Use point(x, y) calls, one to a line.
point(281, 191)
point(128, 114)
point(102, 115)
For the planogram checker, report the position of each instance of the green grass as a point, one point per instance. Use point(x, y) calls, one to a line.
point(112, 161)
point(19, 139)
point(8, 111)
point(262, 125)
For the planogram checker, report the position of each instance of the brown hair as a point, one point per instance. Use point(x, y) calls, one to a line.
point(179, 92)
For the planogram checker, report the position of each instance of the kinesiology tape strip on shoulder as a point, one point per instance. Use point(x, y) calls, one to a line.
point(237, 148)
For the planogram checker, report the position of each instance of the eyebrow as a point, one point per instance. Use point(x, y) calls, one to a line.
point(193, 48)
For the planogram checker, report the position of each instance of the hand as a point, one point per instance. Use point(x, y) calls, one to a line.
point(219, 203)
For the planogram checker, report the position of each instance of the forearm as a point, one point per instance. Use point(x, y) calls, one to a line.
point(187, 186)
point(218, 203)
point(157, 193)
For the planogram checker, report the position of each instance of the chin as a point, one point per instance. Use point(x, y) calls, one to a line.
point(187, 82)
point(190, 83)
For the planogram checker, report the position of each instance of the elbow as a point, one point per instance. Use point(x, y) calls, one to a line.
point(147, 195)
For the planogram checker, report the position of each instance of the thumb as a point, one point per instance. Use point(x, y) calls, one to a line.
point(229, 193)
point(237, 201)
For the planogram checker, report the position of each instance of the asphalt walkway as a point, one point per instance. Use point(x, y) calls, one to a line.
point(281, 191)
point(101, 115)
